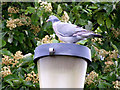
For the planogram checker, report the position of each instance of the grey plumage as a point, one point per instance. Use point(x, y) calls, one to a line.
point(70, 33)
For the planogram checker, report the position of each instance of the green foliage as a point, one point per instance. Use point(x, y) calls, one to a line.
point(59, 9)
point(24, 27)
point(17, 78)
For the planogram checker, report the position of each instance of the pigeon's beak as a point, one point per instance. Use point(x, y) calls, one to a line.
point(48, 20)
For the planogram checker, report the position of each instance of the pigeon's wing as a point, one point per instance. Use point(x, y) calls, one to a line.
point(84, 33)
point(66, 29)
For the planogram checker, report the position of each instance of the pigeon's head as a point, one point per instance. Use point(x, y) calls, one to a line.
point(52, 18)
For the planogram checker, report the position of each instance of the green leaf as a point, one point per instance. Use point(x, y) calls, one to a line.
point(35, 68)
point(34, 19)
point(28, 58)
point(93, 51)
point(16, 82)
point(19, 37)
point(82, 21)
point(30, 10)
point(113, 45)
point(27, 83)
point(108, 23)
point(93, 7)
point(106, 78)
point(98, 30)
point(101, 85)
point(2, 43)
point(110, 78)
point(40, 13)
point(5, 52)
point(104, 84)
point(83, 42)
point(85, 11)
point(9, 82)
point(108, 8)
point(100, 18)
point(10, 77)
point(55, 41)
point(26, 61)
point(29, 43)
point(95, 65)
point(59, 9)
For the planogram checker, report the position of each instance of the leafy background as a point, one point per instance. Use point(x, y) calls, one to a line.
point(24, 27)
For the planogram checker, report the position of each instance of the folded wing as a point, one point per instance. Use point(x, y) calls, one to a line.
point(68, 30)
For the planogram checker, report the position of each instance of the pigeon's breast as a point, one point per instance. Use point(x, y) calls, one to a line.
point(55, 27)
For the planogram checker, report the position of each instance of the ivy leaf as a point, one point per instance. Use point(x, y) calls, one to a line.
point(59, 9)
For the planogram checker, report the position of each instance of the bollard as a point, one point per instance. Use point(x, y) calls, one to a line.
point(62, 65)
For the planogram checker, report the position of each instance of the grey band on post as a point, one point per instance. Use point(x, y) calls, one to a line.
point(62, 49)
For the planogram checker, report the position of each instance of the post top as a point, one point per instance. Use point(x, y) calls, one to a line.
point(62, 49)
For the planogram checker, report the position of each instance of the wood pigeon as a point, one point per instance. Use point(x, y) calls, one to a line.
point(70, 33)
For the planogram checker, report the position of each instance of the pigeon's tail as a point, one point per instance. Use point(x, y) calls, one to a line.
point(96, 35)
